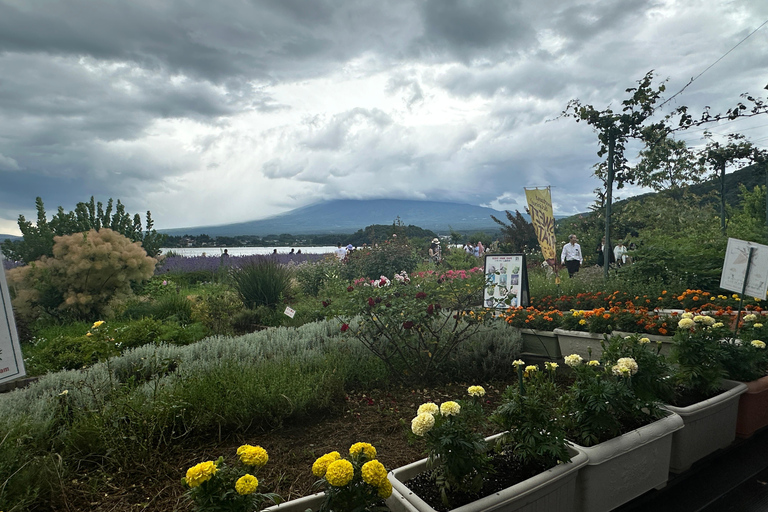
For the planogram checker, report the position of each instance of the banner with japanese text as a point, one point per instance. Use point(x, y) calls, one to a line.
point(543, 220)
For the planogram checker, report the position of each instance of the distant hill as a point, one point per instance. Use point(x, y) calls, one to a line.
point(345, 216)
point(9, 237)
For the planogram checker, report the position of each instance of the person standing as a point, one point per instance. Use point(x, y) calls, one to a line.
point(434, 251)
point(340, 252)
point(620, 253)
point(571, 255)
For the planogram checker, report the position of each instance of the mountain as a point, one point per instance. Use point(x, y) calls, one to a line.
point(9, 237)
point(348, 215)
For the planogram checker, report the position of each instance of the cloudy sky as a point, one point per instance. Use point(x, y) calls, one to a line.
point(210, 112)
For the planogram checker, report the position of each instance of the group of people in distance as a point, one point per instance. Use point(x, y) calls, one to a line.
point(572, 257)
point(475, 249)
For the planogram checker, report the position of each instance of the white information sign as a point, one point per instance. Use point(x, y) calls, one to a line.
point(11, 361)
point(735, 268)
point(503, 280)
point(289, 311)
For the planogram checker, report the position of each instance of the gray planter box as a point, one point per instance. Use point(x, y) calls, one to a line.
point(550, 491)
point(709, 426)
point(578, 342)
point(540, 343)
point(627, 466)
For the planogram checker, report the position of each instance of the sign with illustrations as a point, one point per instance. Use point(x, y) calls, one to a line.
point(506, 281)
point(11, 361)
point(737, 255)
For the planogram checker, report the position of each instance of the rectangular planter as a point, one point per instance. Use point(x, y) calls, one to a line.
point(753, 408)
point(709, 426)
point(581, 343)
point(540, 343)
point(311, 502)
point(550, 491)
point(627, 466)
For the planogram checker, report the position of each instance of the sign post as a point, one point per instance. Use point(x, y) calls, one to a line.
point(745, 271)
point(506, 281)
point(11, 360)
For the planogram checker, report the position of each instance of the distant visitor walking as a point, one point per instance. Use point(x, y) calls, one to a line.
point(571, 255)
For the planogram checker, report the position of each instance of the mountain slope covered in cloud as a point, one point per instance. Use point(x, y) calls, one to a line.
point(349, 215)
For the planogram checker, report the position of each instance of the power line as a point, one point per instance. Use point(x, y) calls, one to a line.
point(711, 65)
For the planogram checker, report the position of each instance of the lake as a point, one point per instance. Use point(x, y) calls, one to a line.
point(243, 251)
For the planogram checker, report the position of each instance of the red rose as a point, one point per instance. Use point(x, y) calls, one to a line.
point(370, 302)
point(325, 304)
point(408, 325)
point(430, 309)
point(344, 327)
point(421, 295)
point(350, 289)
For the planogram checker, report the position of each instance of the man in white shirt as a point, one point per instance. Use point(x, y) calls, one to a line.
point(571, 255)
point(340, 252)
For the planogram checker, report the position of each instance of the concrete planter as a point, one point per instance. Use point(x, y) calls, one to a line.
point(753, 408)
point(311, 502)
point(709, 426)
point(540, 343)
point(578, 342)
point(627, 466)
point(550, 491)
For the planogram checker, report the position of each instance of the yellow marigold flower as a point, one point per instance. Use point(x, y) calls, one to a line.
point(531, 368)
point(686, 323)
point(246, 484)
point(422, 423)
point(98, 324)
point(429, 407)
point(573, 360)
point(708, 320)
point(750, 318)
point(643, 341)
point(758, 344)
point(374, 473)
point(686, 315)
point(550, 365)
point(518, 362)
point(450, 408)
point(321, 464)
point(200, 473)
point(698, 319)
point(582, 322)
point(620, 370)
point(339, 473)
point(365, 448)
point(735, 296)
point(89, 334)
point(476, 391)
point(757, 325)
point(718, 324)
point(252, 455)
point(593, 362)
point(385, 490)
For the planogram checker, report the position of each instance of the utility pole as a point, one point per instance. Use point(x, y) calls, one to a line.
point(607, 250)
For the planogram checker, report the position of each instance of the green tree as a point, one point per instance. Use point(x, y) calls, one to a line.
point(667, 164)
point(37, 240)
point(518, 235)
point(718, 157)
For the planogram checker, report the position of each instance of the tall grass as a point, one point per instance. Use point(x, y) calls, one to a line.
point(262, 283)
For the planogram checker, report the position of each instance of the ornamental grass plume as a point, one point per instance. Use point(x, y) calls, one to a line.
point(358, 483)
point(216, 486)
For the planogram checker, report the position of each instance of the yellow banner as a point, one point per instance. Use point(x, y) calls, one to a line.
point(543, 220)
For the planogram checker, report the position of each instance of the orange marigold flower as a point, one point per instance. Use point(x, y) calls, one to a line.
point(662, 330)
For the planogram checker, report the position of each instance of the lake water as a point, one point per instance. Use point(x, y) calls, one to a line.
point(243, 251)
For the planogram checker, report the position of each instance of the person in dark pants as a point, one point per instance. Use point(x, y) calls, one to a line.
point(571, 256)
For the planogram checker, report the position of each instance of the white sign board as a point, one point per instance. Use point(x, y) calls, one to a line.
point(503, 280)
point(735, 268)
point(11, 361)
point(289, 311)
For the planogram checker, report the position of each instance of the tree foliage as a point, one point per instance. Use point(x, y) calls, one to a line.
point(38, 237)
point(518, 235)
point(86, 271)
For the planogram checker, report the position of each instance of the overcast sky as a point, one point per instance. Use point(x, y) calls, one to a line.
point(209, 112)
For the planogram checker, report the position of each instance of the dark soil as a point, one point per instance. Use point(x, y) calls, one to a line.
point(507, 472)
point(380, 417)
point(686, 397)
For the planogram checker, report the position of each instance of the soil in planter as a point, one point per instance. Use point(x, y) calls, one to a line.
point(686, 397)
point(506, 472)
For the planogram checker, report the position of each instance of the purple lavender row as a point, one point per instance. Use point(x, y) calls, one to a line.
point(172, 264)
